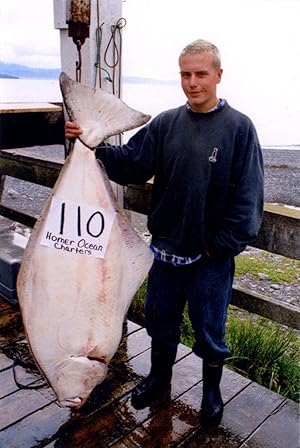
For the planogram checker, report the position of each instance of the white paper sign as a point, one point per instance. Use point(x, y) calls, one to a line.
point(77, 228)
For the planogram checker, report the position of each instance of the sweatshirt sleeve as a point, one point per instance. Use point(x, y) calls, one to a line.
point(133, 162)
point(244, 211)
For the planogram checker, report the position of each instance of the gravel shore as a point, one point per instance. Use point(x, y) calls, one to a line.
point(282, 176)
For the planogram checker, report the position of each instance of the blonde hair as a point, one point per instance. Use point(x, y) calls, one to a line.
point(203, 46)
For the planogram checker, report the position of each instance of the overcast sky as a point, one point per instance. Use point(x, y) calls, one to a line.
point(260, 34)
point(27, 34)
point(259, 42)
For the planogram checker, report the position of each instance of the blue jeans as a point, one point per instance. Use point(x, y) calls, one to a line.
point(206, 287)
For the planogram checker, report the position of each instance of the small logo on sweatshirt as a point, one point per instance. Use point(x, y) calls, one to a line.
point(213, 157)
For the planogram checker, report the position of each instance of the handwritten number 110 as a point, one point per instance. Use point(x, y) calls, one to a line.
point(94, 216)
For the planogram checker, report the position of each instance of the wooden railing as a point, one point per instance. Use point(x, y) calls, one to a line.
point(279, 233)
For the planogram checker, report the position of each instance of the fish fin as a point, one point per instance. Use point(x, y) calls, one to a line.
point(139, 257)
point(100, 114)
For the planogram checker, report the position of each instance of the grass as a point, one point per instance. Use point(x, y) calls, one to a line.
point(260, 350)
point(265, 353)
point(279, 269)
point(136, 309)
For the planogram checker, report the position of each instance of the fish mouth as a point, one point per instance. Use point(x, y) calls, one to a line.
point(77, 377)
point(75, 402)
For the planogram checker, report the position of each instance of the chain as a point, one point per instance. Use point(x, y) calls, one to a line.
point(79, 62)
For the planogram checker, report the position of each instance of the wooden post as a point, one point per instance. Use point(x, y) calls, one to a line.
point(105, 16)
point(103, 12)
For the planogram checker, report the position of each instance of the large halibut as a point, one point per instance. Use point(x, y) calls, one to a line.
point(83, 262)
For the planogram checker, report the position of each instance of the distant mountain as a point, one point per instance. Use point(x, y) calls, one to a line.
point(8, 76)
point(16, 71)
point(21, 71)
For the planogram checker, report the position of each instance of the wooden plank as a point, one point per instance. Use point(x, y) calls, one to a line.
point(7, 380)
point(273, 309)
point(111, 423)
point(282, 210)
point(109, 416)
point(36, 428)
point(47, 423)
point(25, 129)
point(130, 361)
point(5, 362)
point(49, 155)
point(280, 231)
point(132, 346)
point(18, 405)
point(7, 384)
point(16, 215)
point(242, 416)
point(107, 425)
point(170, 425)
point(239, 416)
point(280, 430)
point(21, 165)
point(13, 108)
point(104, 422)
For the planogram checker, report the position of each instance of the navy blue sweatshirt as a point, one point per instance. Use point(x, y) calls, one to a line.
point(208, 179)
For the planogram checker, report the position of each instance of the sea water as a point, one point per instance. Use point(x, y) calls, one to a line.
point(276, 121)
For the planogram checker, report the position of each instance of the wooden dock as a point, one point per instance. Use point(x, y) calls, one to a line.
point(254, 417)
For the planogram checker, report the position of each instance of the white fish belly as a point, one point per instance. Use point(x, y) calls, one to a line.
point(73, 303)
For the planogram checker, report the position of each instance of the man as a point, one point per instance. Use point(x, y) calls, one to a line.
point(207, 205)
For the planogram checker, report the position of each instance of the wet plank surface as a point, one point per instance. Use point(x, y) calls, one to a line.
point(254, 417)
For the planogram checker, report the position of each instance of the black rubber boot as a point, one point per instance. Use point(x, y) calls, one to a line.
point(212, 404)
point(159, 379)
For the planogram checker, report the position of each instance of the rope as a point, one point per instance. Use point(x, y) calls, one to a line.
point(115, 39)
point(39, 384)
point(92, 148)
point(115, 32)
point(19, 352)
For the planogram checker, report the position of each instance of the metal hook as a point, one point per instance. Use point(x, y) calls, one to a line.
point(79, 62)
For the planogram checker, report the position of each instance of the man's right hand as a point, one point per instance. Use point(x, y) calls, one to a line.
point(72, 130)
